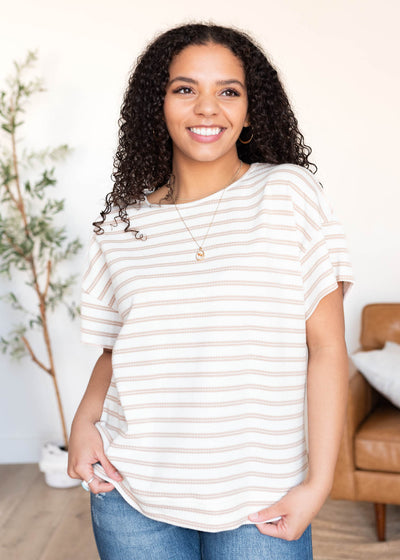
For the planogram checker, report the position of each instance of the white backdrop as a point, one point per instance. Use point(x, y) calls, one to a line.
point(339, 62)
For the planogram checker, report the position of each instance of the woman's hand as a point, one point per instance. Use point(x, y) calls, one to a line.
point(86, 448)
point(296, 509)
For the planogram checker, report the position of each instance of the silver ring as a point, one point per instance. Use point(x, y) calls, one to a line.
point(85, 484)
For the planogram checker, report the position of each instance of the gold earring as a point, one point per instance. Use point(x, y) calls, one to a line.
point(246, 141)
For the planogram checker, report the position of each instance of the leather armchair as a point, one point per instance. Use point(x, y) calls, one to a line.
point(368, 467)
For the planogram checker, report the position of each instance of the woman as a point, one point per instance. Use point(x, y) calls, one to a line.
point(215, 284)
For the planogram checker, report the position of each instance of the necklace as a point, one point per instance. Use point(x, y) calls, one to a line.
point(200, 253)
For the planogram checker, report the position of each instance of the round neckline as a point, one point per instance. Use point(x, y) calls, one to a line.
point(204, 198)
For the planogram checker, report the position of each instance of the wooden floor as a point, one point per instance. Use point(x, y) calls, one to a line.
point(42, 523)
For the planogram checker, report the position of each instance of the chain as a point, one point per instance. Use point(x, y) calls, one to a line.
point(200, 254)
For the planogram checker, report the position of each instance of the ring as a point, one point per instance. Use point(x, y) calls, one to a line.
point(85, 484)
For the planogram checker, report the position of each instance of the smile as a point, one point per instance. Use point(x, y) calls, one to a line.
point(205, 131)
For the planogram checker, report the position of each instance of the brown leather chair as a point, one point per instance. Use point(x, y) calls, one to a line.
point(368, 467)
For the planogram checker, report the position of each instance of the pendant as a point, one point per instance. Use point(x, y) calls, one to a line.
point(200, 254)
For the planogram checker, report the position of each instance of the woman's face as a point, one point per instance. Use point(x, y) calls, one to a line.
point(205, 106)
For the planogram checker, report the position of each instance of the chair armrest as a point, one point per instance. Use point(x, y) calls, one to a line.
point(362, 399)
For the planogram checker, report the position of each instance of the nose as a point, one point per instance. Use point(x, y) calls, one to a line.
point(206, 104)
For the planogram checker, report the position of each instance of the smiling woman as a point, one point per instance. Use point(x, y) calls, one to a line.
point(208, 111)
point(214, 284)
point(205, 110)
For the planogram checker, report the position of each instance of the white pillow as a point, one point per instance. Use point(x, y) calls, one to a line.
point(382, 369)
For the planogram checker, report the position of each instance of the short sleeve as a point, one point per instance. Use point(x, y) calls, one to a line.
point(324, 256)
point(100, 320)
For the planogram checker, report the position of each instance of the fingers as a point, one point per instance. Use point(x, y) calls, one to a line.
point(86, 472)
point(271, 530)
point(109, 468)
point(97, 485)
point(268, 515)
point(100, 485)
point(271, 521)
point(287, 528)
point(297, 509)
point(278, 521)
point(283, 527)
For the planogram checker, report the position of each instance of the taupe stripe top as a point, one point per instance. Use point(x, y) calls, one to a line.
point(204, 416)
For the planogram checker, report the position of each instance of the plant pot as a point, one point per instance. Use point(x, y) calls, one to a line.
point(54, 463)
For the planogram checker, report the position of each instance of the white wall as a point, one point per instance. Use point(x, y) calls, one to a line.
point(339, 61)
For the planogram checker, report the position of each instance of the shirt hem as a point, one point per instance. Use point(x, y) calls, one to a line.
point(99, 471)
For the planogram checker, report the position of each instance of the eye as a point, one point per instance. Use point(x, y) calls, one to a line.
point(183, 89)
point(230, 93)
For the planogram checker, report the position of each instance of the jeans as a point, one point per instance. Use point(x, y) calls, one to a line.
point(123, 533)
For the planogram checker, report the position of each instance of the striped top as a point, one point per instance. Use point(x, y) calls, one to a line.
point(204, 415)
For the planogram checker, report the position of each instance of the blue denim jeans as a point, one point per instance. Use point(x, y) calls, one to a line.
point(123, 533)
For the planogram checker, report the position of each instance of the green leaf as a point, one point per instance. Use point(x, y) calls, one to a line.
point(44, 237)
point(14, 345)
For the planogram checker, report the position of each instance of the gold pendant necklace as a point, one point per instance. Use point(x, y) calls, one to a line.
point(200, 253)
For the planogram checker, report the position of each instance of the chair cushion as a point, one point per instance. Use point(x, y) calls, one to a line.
point(382, 369)
point(377, 442)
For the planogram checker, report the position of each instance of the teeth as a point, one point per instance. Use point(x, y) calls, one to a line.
point(204, 131)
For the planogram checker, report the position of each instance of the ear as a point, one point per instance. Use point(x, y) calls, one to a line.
point(247, 120)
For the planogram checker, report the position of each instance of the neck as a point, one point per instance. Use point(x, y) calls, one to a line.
point(199, 179)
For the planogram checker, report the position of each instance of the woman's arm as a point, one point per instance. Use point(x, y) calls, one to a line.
point(85, 443)
point(327, 381)
point(91, 405)
point(327, 384)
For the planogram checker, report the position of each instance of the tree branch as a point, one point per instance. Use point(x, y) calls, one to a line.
point(15, 247)
point(8, 189)
point(34, 358)
point(20, 201)
point(47, 279)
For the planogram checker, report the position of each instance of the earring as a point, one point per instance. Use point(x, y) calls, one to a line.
point(246, 141)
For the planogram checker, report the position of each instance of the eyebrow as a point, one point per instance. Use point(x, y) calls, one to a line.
point(195, 82)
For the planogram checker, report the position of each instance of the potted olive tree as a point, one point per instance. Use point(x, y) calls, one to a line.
point(32, 245)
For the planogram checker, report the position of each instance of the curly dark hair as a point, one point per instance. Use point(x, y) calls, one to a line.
point(143, 160)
